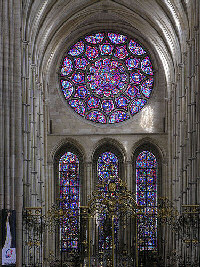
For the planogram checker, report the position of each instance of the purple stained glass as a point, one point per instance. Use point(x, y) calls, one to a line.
point(118, 116)
point(67, 89)
point(78, 77)
point(106, 49)
point(69, 201)
point(132, 63)
point(135, 48)
point(95, 39)
point(77, 49)
point(108, 166)
point(121, 52)
point(92, 102)
point(107, 105)
point(78, 106)
point(81, 63)
point(106, 66)
point(117, 38)
point(108, 171)
point(91, 52)
point(67, 67)
point(146, 196)
point(137, 105)
point(146, 66)
point(146, 87)
point(96, 116)
point(106, 77)
point(136, 77)
point(81, 92)
point(133, 91)
point(122, 102)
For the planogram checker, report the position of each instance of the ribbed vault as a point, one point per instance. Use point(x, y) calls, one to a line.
point(51, 24)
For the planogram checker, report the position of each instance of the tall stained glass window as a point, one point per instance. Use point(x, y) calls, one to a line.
point(146, 194)
point(106, 77)
point(69, 201)
point(108, 171)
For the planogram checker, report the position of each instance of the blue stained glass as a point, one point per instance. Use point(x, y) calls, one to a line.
point(95, 39)
point(146, 87)
point(117, 38)
point(108, 165)
point(77, 49)
point(136, 106)
point(69, 201)
point(96, 116)
point(67, 88)
point(118, 116)
point(107, 105)
point(122, 102)
point(132, 63)
point(81, 63)
point(78, 77)
point(91, 52)
point(146, 196)
point(106, 49)
point(133, 91)
point(121, 52)
point(106, 77)
point(135, 48)
point(78, 106)
point(92, 102)
point(67, 67)
point(106, 65)
point(146, 66)
point(108, 171)
point(136, 77)
point(81, 92)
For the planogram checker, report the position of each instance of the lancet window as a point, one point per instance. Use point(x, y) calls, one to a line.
point(69, 184)
point(146, 195)
point(108, 172)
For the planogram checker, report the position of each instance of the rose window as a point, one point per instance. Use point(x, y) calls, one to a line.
point(106, 77)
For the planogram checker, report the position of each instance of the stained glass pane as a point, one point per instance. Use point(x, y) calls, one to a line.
point(95, 39)
point(67, 88)
point(78, 106)
point(96, 116)
point(117, 38)
point(108, 171)
point(69, 201)
point(136, 105)
point(106, 49)
point(103, 67)
point(135, 48)
point(77, 49)
point(67, 66)
point(146, 194)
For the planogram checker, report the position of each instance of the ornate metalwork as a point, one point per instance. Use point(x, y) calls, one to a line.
point(116, 201)
point(33, 228)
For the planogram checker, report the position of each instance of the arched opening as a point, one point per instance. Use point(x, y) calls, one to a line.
point(147, 173)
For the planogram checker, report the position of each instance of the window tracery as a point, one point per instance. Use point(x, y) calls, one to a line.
point(106, 77)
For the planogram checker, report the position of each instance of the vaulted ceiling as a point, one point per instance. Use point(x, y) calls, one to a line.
point(162, 25)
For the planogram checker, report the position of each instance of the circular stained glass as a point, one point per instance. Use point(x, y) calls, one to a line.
point(106, 77)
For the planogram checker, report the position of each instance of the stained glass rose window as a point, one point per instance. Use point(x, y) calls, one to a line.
point(106, 77)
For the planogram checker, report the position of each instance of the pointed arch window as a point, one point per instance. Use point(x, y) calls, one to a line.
point(69, 184)
point(146, 195)
point(108, 171)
